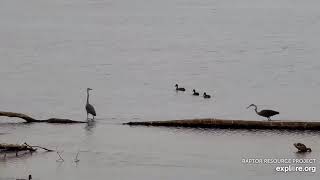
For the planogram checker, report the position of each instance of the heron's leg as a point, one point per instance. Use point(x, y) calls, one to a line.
point(93, 117)
point(269, 119)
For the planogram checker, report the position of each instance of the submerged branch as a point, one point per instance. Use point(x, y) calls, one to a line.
point(38, 147)
point(30, 119)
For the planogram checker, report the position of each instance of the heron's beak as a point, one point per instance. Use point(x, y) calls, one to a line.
point(248, 106)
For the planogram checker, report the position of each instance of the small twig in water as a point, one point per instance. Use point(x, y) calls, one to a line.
point(76, 159)
point(60, 158)
point(38, 147)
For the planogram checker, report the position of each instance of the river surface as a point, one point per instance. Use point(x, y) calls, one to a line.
point(132, 53)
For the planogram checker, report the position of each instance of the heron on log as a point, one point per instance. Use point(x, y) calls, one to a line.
point(264, 113)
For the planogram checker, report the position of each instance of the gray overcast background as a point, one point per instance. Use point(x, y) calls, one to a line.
point(132, 52)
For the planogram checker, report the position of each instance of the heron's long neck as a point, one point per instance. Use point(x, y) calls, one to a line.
point(256, 109)
point(87, 97)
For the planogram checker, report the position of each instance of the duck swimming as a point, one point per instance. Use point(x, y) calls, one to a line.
point(179, 88)
point(301, 147)
point(195, 93)
point(206, 96)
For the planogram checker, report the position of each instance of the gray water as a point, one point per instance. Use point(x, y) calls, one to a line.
point(132, 53)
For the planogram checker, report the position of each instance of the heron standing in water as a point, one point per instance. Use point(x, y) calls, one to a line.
point(89, 107)
point(264, 113)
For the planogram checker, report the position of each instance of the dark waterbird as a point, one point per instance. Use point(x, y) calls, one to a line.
point(264, 113)
point(195, 93)
point(89, 107)
point(301, 147)
point(179, 88)
point(206, 96)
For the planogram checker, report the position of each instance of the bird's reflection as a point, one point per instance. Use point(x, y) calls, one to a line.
point(90, 126)
point(301, 155)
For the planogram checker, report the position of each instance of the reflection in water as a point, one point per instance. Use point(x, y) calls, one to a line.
point(300, 155)
point(143, 50)
point(59, 165)
point(21, 155)
point(241, 132)
point(90, 126)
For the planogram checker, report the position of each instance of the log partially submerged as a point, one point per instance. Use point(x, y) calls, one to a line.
point(29, 119)
point(15, 148)
point(232, 124)
point(19, 147)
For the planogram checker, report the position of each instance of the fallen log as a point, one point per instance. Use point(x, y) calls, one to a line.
point(29, 119)
point(16, 148)
point(232, 124)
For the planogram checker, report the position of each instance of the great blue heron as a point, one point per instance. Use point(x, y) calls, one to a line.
point(89, 107)
point(301, 147)
point(195, 93)
point(206, 96)
point(179, 89)
point(264, 113)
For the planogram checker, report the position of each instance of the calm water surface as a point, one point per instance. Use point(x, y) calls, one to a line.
point(132, 53)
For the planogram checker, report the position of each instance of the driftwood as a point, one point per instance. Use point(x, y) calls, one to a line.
point(29, 119)
point(232, 124)
point(19, 147)
point(15, 148)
